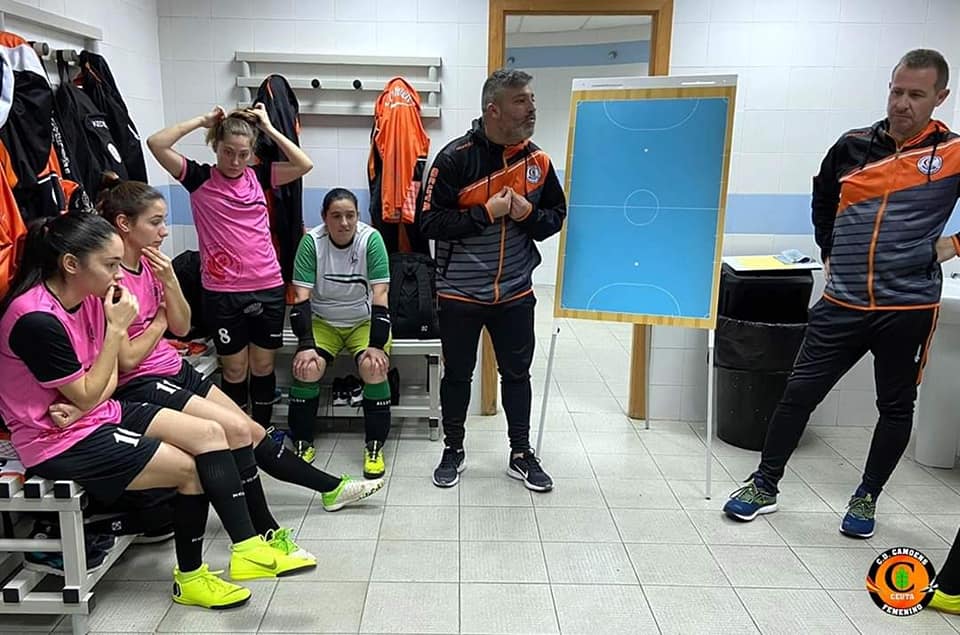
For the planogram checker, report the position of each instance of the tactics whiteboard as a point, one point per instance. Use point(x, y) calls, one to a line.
point(646, 184)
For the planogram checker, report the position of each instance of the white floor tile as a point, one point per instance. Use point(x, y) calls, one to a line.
point(718, 610)
point(507, 608)
point(621, 610)
point(788, 611)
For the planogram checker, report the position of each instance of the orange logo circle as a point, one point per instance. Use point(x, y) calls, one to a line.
point(900, 581)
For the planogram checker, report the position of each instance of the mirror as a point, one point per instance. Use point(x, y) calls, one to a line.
point(555, 49)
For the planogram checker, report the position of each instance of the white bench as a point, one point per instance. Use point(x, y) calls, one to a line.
point(424, 405)
point(67, 500)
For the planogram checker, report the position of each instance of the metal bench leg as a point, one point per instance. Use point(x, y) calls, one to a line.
point(79, 624)
point(74, 556)
point(433, 391)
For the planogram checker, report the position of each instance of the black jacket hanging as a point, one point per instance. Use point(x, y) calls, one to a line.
point(285, 203)
point(86, 134)
point(99, 85)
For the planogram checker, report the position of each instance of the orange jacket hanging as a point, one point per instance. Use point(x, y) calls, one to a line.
point(398, 154)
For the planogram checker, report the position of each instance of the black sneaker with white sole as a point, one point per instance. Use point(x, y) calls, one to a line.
point(447, 473)
point(526, 468)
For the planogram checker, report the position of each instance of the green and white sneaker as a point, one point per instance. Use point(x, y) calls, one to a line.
point(282, 539)
point(349, 491)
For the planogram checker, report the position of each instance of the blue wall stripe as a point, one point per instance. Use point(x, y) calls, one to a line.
point(635, 52)
point(769, 214)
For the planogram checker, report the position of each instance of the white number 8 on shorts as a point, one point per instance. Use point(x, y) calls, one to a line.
point(224, 336)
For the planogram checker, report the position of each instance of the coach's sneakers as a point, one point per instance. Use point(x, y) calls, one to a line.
point(349, 491)
point(751, 500)
point(305, 450)
point(859, 521)
point(205, 588)
point(254, 559)
point(526, 467)
point(447, 473)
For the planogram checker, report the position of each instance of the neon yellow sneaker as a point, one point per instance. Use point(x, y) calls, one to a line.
point(349, 491)
point(945, 603)
point(306, 451)
point(254, 559)
point(282, 539)
point(373, 465)
point(204, 588)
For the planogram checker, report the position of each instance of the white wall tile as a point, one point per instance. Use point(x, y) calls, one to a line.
point(897, 40)
point(818, 11)
point(775, 10)
point(898, 12)
point(325, 172)
point(731, 10)
point(664, 402)
point(805, 132)
point(762, 130)
point(690, 11)
point(668, 337)
point(815, 44)
point(189, 39)
point(809, 88)
point(471, 12)
point(853, 89)
point(747, 244)
point(798, 170)
point(352, 168)
point(436, 11)
point(772, 44)
point(688, 44)
point(273, 10)
point(391, 11)
point(355, 10)
point(729, 44)
point(856, 408)
point(314, 9)
point(755, 173)
point(666, 367)
point(230, 36)
point(858, 44)
point(859, 11)
point(275, 36)
point(188, 8)
point(438, 38)
point(473, 42)
point(232, 8)
point(943, 12)
point(193, 82)
point(763, 88)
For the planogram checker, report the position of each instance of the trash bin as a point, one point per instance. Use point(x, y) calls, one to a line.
point(761, 320)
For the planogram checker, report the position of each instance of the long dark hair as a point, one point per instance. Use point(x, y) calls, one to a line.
point(337, 194)
point(129, 198)
point(77, 233)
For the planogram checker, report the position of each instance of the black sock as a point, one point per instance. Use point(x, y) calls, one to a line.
point(284, 466)
point(221, 482)
point(238, 392)
point(301, 415)
point(376, 417)
point(189, 524)
point(263, 520)
point(262, 394)
point(948, 577)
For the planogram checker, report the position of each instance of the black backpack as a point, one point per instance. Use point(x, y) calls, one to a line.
point(413, 297)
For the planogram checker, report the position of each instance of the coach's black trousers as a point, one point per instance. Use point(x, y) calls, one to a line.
point(835, 340)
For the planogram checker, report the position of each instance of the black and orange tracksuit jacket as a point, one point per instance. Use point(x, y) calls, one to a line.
point(480, 258)
point(878, 210)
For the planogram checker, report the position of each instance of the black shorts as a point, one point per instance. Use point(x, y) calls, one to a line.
point(107, 461)
point(169, 392)
point(236, 320)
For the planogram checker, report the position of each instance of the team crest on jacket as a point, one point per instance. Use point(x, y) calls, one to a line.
point(930, 164)
point(534, 173)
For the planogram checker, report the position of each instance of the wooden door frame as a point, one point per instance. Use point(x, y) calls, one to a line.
point(661, 13)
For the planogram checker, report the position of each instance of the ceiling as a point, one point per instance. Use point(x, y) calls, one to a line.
point(555, 23)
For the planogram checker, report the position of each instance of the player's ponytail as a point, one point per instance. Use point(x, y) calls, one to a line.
point(48, 240)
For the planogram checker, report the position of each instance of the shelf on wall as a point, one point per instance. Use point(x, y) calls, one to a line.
point(319, 83)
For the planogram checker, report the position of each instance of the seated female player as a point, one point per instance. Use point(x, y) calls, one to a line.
point(151, 370)
point(61, 327)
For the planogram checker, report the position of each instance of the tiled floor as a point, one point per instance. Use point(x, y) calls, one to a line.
point(626, 543)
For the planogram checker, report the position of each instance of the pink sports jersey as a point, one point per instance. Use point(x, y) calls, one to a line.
point(233, 228)
point(163, 360)
point(24, 399)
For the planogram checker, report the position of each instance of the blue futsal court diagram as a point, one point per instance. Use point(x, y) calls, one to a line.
point(645, 209)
